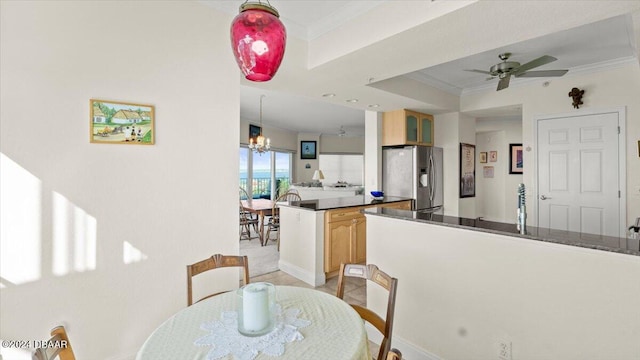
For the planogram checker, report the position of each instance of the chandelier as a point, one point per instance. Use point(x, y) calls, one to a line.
point(258, 39)
point(262, 144)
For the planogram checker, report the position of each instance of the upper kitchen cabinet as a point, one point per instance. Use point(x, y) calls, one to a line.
point(406, 127)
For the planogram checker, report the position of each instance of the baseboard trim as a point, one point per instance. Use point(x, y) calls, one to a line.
point(409, 350)
point(302, 274)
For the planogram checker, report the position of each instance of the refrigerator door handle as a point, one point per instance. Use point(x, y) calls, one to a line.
point(433, 177)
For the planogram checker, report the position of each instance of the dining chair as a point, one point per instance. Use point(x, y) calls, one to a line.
point(58, 346)
point(394, 354)
point(244, 214)
point(375, 275)
point(214, 262)
point(274, 221)
point(246, 223)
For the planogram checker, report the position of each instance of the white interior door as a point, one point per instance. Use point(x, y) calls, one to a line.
point(578, 174)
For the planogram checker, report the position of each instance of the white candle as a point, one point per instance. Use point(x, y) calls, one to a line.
point(255, 307)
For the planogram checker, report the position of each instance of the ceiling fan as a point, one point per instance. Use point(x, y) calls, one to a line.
point(506, 69)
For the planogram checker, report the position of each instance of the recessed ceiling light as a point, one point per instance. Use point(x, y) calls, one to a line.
point(374, 105)
point(329, 95)
point(352, 100)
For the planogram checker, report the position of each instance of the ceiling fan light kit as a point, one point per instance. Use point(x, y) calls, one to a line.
point(506, 69)
point(258, 40)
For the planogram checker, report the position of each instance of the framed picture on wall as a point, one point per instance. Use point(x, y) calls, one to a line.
point(116, 122)
point(483, 157)
point(467, 170)
point(515, 159)
point(254, 131)
point(308, 150)
point(493, 156)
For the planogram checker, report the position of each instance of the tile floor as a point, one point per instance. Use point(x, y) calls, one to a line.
point(355, 291)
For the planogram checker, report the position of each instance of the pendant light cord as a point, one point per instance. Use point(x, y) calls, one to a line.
point(261, 97)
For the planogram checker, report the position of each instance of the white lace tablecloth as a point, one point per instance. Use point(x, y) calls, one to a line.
point(335, 331)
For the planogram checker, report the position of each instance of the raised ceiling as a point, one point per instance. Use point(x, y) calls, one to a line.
point(592, 34)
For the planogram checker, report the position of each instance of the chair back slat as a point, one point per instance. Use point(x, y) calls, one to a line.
point(375, 275)
point(214, 262)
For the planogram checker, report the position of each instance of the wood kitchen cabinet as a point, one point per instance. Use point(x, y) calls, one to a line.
point(345, 238)
point(406, 127)
point(345, 235)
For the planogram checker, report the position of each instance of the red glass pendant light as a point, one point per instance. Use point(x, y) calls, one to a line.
point(258, 39)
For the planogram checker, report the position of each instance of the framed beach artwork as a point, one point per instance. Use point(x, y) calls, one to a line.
point(115, 122)
point(467, 170)
point(308, 150)
point(515, 159)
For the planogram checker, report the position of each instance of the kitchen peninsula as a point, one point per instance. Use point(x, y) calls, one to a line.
point(317, 235)
point(550, 294)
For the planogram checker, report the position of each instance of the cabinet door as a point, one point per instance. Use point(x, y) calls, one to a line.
point(411, 119)
point(426, 129)
point(360, 240)
point(339, 244)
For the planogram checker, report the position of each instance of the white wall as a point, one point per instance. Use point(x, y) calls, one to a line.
point(341, 144)
point(280, 139)
point(490, 191)
point(373, 151)
point(467, 133)
point(304, 174)
point(496, 198)
point(168, 200)
point(615, 87)
point(450, 130)
point(446, 136)
point(460, 291)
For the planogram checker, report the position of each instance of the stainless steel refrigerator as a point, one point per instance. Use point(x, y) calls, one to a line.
point(414, 172)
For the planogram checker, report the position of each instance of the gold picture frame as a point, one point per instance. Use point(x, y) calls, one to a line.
point(116, 122)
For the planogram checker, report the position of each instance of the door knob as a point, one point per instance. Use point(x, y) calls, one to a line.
point(542, 197)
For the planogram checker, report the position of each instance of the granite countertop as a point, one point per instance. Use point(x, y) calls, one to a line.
point(343, 202)
point(605, 243)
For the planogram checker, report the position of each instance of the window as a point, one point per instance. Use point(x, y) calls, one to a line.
point(265, 175)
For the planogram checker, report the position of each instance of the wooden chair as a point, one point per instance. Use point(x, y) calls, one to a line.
point(61, 347)
point(246, 216)
point(274, 221)
point(214, 262)
point(373, 274)
point(246, 223)
point(394, 354)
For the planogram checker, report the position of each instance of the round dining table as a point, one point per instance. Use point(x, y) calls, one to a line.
point(321, 326)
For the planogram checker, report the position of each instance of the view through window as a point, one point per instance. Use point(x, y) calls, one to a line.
point(266, 175)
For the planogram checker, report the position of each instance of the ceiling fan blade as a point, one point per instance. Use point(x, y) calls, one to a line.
point(504, 82)
point(542, 60)
point(542, 73)
point(478, 71)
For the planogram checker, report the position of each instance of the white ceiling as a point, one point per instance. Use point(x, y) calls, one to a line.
point(595, 44)
point(295, 102)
